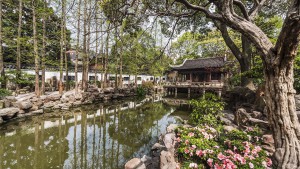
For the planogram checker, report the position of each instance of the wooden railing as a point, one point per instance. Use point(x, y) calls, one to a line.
point(196, 84)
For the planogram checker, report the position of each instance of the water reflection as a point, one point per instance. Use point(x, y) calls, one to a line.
point(97, 136)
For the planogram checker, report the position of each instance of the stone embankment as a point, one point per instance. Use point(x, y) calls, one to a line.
point(28, 104)
point(162, 153)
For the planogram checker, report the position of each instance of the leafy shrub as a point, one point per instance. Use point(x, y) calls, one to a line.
point(4, 93)
point(140, 91)
point(203, 147)
point(207, 110)
point(148, 86)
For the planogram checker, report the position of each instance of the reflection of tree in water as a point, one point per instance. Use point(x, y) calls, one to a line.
point(134, 126)
point(87, 140)
point(35, 150)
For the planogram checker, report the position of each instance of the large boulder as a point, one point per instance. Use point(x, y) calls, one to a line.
point(169, 141)
point(49, 104)
point(133, 163)
point(239, 95)
point(171, 128)
point(24, 105)
point(241, 117)
point(53, 97)
point(11, 98)
point(9, 112)
point(167, 160)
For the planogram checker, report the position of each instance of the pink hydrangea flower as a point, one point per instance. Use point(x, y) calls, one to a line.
point(217, 147)
point(178, 139)
point(187, 142)
point(217, 166)
point(193, 165)
point(193, 147)
point(199, 153)
point(264, 164)
point(191, 134)
point(186, 151)
point(210, 161)
point(221, 156)
point(251, 165)
point(269, 162)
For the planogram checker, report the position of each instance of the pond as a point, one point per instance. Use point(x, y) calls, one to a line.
point(93, 136)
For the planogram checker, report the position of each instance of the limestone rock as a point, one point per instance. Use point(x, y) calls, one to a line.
point(167, 160)
point(241, 117)
point(133, 163)
point(269, 148)
point(171, 128)
point(169, 141)
point(158, 146)
point(229, 128)
point(24, 105)
point(49, 104)
point(1, 104)
point(7, 103)
point(1, 120)
point(39, 111)
point(22, 111)
point(11, 98)
point(268, 139)
point(256, 114)
point(53, 97)
point(8, 112)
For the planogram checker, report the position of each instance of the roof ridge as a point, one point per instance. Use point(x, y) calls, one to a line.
point(206, 58)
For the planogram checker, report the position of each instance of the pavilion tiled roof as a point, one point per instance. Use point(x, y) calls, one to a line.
point(213, 62)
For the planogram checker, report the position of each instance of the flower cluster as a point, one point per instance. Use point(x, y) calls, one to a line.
point(204, 147)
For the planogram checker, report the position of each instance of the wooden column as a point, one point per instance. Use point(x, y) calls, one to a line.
point(191, 77)
point(203, 92)
point(220, 93)
point(189, 92)
point(209, 76)
point(175, 92)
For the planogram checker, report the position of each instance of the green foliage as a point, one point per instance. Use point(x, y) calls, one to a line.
point(148, 86)
point(145, 88)
point(10, 29)
point(4, 93)
point(140, 91)
point(207, 110)
point(24, 80)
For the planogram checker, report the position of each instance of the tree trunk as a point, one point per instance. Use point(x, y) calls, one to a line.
point(106, 57)
point(77, 47)
point(84, 74)
point(3, 83)
point(35, 50)
point(245, 63)
point(88, 54)
point(66, 57)
point(279, 93)
point(62, 51)
point(96, 56)
point(18, 73)
point(243, 57)
point(44, 51)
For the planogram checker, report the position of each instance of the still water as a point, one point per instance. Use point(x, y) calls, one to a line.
point(94, 136)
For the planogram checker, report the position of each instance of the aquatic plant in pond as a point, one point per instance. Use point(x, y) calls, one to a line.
point(205, 147)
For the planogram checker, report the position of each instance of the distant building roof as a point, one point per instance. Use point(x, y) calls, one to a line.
point(200, 63)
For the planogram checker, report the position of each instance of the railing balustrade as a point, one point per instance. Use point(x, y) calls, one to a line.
point(196, 84)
